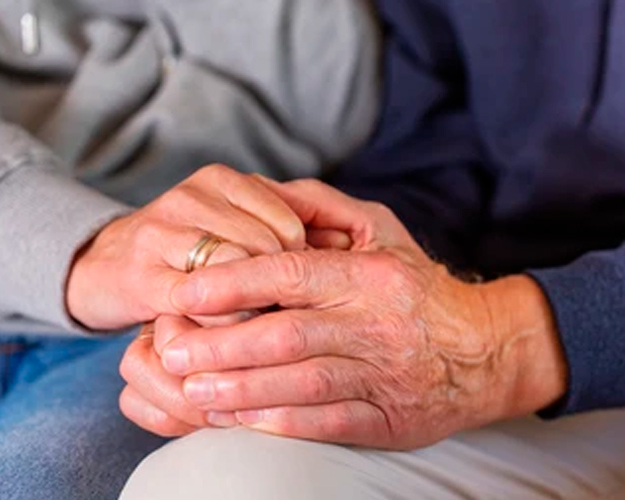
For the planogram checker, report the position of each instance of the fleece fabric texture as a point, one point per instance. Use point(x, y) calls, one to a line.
point(126, 98)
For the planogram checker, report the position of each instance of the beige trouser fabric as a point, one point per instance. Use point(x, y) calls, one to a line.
point(579, 458)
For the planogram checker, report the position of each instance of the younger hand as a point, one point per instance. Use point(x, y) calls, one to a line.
point(125, 275)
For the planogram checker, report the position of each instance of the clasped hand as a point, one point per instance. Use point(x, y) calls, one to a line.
point(376, 345)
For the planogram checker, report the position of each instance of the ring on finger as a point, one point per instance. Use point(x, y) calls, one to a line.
point(200, 253)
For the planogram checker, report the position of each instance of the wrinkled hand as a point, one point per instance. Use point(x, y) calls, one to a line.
point(153, 398)
point(379, 346)
point(125, 274)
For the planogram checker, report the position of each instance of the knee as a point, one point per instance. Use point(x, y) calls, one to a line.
point(238, 465)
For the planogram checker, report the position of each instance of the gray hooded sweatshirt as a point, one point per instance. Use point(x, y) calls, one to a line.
point(106, 104)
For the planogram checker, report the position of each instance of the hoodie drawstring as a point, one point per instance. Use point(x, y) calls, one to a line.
point(30, 31)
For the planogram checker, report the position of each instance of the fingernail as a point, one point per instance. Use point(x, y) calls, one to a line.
point(200, 390)
point(176, 360)
point(221, 419)
point(250, 417)
point(187, 295)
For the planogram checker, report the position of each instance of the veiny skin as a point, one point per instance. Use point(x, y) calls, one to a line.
point(376, 346)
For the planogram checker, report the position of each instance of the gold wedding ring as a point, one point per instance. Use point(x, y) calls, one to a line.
point(201, 252)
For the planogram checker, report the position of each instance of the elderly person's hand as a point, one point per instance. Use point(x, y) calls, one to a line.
point(379, 346)
point(125, 274)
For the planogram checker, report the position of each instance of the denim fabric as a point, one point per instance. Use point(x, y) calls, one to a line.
point(11, 352)
point(62, 436)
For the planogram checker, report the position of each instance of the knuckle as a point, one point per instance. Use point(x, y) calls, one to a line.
point(124, 404)
point(209, 172)
point(319, 385)
point(162, 423)
point(216, 175)
point(152, 419)
point(173, 199)
point(388, 262)
point(392, 270)
point(147, 232)
point(295, 271)
point(124, 368)
point(378, 209)
point(340, 423)
point(128, 365)
point(218, 169)
point(313, 184)
point(372, 387)
point(292, 341)
point(214, 358)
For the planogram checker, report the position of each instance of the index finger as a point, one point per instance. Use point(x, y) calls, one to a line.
point(290, 279)
point(319, 205)
point(246, 194)
point(273, 339)
point(322, 206)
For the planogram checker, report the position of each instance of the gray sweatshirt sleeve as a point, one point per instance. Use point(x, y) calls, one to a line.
point(45, 217)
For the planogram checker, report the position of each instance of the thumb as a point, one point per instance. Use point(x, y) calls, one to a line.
point(225, 252)
point(301, 280)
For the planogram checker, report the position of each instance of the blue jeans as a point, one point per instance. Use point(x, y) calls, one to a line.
point(62, 436)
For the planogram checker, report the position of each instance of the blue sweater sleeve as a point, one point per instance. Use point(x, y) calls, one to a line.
point(588, 300)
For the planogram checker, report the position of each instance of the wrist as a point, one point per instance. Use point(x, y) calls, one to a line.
point(534, 369)
point(86, 297)
point(75, 293)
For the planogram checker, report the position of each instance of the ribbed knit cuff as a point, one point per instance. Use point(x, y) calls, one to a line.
point(45, 218)
point(588, 300)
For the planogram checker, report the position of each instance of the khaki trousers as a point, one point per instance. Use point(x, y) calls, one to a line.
point(578, 458)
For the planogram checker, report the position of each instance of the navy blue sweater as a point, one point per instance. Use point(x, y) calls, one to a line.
point(502, 147)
